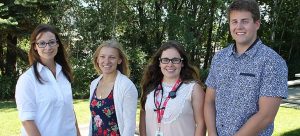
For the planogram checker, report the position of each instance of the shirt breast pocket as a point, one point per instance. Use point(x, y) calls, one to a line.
point(247, 81)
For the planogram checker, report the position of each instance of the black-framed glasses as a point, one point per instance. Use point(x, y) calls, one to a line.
point(43, 44)
point(173, 60)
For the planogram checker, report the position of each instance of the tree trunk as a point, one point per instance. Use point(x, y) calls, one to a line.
point(209, 40)
point(158, 34)
point(143, 38)
point(1, 56)
point(11, 56)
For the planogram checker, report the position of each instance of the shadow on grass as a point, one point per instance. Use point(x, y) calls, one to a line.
point(295, 132)
point(75, 101)
point(4, 105)
point(8, 106)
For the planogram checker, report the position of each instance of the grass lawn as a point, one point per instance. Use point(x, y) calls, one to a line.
point(287, 122)
point(9, 123)
point(82, 111)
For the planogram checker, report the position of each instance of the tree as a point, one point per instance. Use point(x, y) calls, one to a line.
point(141, 26)
point(18, 19)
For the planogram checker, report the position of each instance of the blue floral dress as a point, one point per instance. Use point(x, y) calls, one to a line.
point(104, 119)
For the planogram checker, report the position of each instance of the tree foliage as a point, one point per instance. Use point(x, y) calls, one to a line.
point(141, 26)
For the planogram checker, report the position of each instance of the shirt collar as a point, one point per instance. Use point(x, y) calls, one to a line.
point(253, 48)
point(249, 52)
point(40, 66)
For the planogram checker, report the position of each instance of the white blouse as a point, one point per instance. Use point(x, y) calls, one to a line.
point(178, 118)
point(50, 104)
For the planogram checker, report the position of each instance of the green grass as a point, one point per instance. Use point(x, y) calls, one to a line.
point(9, 123)
point(287, 122)
point(82, 111)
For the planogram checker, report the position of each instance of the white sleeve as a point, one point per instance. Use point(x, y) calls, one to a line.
point(25, 98)
point(90, 98)
point(129, 110)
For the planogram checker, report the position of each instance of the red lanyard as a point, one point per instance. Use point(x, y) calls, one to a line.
point(161, 110)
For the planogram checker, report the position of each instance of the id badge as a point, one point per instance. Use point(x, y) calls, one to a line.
point(159, 133)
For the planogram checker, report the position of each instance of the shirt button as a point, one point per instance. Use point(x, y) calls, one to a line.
point(222, 125)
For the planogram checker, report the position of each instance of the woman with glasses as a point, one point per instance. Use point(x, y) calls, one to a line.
point(43, 93)
point(113, 96)
point(172, 98)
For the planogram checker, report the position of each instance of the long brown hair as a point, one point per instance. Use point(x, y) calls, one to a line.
point(152, 75)
point(59, 58)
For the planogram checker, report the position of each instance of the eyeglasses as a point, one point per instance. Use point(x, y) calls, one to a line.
point(43, 44)
point(167, 60)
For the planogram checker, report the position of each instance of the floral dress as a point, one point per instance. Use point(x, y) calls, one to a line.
point(104, 119)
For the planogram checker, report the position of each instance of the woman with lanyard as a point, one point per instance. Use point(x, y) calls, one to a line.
point(172, 99)
point(113, 96)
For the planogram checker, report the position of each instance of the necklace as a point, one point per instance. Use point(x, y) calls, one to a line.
point(101, 94)
point(105, 86)
point(104, 91)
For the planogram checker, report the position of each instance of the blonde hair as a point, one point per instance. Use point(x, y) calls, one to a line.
point(123, 67)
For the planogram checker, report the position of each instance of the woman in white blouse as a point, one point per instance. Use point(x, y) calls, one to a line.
point(172, 99)
point(113, 96)
point(43, 93)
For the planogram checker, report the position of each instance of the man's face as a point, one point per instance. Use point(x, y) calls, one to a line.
point(243, 29)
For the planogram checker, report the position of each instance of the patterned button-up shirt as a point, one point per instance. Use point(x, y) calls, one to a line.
point(240, 80)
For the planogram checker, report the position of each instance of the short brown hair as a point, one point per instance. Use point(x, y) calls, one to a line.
point(245, 5)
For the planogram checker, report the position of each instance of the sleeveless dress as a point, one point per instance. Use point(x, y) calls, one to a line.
point(104, 119)
point(178, 119)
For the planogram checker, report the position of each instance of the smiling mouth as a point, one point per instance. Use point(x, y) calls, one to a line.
point(48, 52)
point(240, 33)
point(170, 70)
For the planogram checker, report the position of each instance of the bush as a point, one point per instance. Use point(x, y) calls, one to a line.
point(7, 89)
point(83, 76)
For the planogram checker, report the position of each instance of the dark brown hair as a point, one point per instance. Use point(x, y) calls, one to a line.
point(245, 5)
point(59, 58)
point(152, 75)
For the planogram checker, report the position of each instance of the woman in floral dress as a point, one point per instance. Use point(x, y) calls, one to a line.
point(113, 96)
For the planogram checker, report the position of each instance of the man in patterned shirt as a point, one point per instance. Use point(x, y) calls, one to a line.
point(247, 80)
